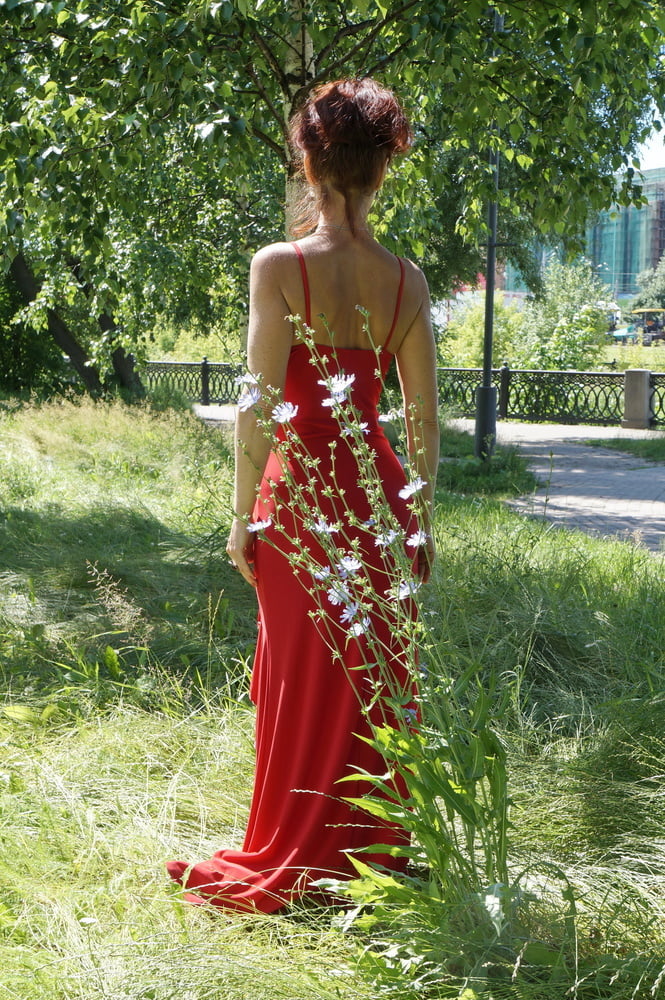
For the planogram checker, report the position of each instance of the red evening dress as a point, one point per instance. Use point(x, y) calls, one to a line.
point(312, 682)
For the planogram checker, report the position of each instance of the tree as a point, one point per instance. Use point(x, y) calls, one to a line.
point(27, 363)
point(462, 343)
point(99, 96)
point(652, 288)
point(566, 326)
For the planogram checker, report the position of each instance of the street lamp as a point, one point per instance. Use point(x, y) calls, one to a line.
point(486, 392)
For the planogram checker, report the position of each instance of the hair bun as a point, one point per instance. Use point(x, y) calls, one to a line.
point(350, 113)
point(348, 129)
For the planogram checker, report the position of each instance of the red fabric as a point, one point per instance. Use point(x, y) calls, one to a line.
point(310, 680)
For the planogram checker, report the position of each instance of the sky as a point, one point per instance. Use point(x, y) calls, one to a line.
point(652, 154)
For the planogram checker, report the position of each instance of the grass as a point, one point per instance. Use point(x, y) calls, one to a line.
point(652, 449)
point(505, 474)
point(126, 735)
point(651, 358)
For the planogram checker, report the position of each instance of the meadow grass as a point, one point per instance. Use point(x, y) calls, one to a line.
point(126, 735)
point(652, 448)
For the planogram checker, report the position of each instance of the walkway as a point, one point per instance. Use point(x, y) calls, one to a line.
point(598, 490)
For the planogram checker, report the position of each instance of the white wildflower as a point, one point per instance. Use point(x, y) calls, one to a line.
point(348, 430)
point(417, 538)
point(322, 527)
point(407, 588)
point(348, 565)
point(359, 628)
point(322, 574)
point(338, 385)
point(337, 594)
point(259, 525)
point(250, 397)
point(386, 538)
point(349, 612)
point(413, 487)
point(284, 412)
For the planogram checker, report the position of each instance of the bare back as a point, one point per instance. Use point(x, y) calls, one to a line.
point(343, 276)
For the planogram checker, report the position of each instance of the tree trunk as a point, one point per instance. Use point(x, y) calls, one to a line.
point(298, 72)
point(123, 363)
point(28, 285)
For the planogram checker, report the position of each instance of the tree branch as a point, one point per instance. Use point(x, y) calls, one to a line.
point(29, 287)
point(270, 142)
point(271, 58)
point(365, 42)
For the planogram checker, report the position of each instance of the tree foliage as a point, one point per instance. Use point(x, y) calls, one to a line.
point(564, 326)
point(462, 342)
point(28, 363)
point(143, 145)
point(651, 283)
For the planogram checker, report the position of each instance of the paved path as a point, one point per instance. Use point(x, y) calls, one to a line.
point(595, 489)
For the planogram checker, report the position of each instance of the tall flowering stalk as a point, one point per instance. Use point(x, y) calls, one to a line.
point(444, 778)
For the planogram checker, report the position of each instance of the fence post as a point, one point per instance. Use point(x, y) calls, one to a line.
point(636, 398)
point(205, 382)
point(504, 390)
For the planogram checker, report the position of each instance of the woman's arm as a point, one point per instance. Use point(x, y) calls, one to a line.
point(416, 366)
point(268, 345)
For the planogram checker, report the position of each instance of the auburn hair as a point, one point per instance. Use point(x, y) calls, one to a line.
point(349, 129)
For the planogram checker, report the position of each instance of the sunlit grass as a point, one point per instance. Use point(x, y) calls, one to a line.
point(126, 737)
point(89, 814)
point(652, 448)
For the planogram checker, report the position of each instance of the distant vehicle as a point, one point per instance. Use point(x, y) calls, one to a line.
point(626, 334)
point(652, 325)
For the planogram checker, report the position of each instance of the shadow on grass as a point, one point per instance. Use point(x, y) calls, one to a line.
point(620, 783)
point(73, 585)
point(568, 623)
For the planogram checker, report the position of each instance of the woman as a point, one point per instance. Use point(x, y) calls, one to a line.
point(313, 680)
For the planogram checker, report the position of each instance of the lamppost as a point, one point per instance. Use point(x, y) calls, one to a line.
point(486, 392)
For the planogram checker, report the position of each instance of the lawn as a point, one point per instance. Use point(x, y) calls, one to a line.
point(126, 736)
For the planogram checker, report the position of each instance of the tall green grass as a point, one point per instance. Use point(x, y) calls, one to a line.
point(126, 738)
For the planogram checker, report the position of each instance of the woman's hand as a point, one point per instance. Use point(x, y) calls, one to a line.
point(240, 550)
point(424, 559)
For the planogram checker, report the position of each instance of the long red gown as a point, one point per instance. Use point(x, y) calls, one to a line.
point(312, 677)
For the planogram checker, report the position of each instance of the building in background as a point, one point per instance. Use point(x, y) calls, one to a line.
point(621, 244)
point(625, 241)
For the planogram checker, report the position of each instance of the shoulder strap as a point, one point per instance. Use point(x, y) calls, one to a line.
point(305, 284)
point(397, 304)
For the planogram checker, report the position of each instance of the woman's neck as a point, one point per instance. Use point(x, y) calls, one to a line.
point(328, 226)
point(335, 212)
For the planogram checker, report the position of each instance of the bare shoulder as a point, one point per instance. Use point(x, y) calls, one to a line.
point(415, 278)
point(271, 258)
point(416, 294)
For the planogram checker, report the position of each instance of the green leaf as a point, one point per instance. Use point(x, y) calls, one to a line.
point(21, 713)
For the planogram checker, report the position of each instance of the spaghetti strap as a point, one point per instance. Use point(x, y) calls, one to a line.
point(305, 284)
point(397, 304)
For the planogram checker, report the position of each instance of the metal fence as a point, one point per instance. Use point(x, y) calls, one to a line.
point(657, 399)
point(561, 396)
point(201, 381)
point(566, 397)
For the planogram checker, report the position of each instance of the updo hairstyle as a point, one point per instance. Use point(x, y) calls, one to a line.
point(350, 129)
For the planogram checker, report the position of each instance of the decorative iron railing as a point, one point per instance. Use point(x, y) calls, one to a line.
point(560, 396)
point(567, 397)
point(205, 381)
point(457, 389)
point(657, 383)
